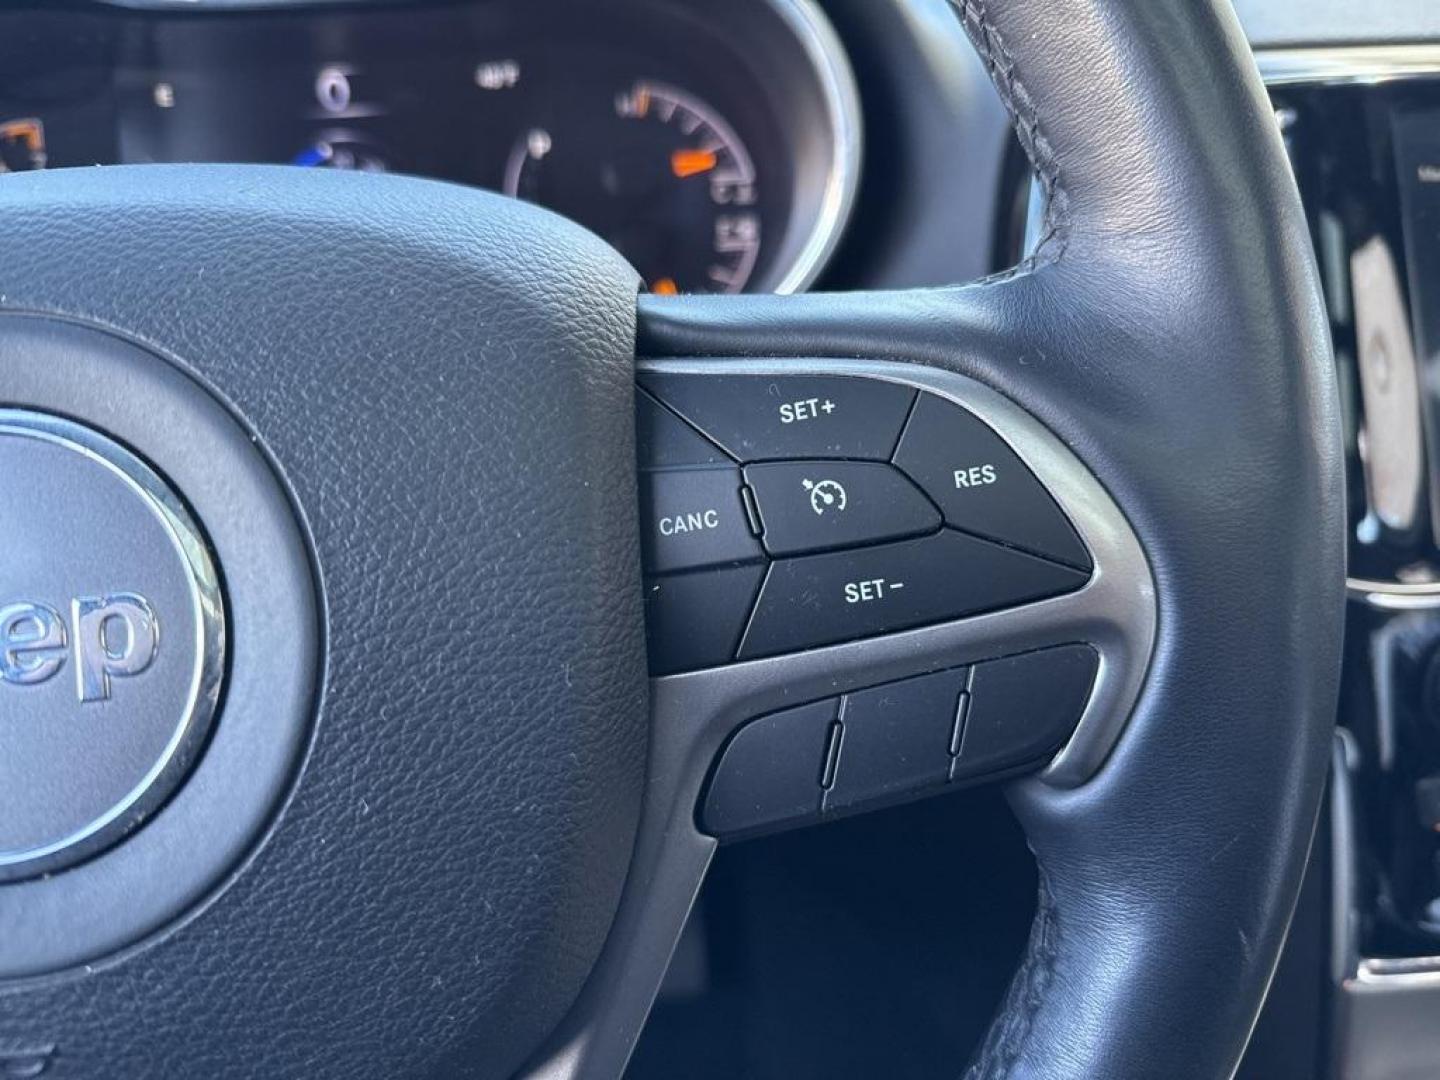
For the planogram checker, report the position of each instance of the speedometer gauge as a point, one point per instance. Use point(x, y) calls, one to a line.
point(659, 174)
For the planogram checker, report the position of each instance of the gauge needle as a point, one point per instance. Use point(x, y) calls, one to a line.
point(28, 132)
point(665, 287)
point(685, 163)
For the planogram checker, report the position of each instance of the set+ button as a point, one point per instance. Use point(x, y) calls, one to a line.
point(760, 417)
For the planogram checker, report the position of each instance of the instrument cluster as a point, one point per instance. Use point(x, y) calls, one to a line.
point(716, 146)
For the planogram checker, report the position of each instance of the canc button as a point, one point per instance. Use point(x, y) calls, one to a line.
point(695, 517)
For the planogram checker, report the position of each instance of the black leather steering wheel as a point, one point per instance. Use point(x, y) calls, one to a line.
point(444, 823)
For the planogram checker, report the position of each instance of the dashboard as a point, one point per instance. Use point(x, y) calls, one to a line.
point(717, 146)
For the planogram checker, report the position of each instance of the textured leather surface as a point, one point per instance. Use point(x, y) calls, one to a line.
point(445, 380)
point(1170, 330)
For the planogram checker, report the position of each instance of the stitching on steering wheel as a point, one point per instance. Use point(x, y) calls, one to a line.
point(1021, 107)
point(999, 1054)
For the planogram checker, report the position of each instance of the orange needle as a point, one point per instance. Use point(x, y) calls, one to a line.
point(685, 163)
point(26, 131)
point(665, 287)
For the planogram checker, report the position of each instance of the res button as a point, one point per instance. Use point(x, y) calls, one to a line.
point(981, 485)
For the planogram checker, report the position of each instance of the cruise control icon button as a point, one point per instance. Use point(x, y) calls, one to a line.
point(818, 505)
point(826, 495)
point(841, 596)
point(982, 485)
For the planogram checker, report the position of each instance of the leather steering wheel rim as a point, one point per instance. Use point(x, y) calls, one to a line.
point(1170, 329)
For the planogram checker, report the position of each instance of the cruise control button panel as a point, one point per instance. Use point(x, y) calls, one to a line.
point(809, 506)
point(899, 741)
point(830, 508)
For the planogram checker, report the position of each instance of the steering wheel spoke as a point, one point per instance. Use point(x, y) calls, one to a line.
point(868, 581)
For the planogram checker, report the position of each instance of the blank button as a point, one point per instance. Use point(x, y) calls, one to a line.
point(896, 739)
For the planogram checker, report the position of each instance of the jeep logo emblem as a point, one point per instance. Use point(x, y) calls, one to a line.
point(108, 637)
point(103, 711)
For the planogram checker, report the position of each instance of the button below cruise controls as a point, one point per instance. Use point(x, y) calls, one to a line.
point(814, 505)
point(693, 518)
point(899, 741)
point(759, 417)
point(770, 772)
point(981, 485)
point(1023, 708)
point(825, 599)
point(897, 738)
point(695, 620)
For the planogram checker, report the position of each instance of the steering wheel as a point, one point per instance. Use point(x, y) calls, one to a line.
point(321, 492)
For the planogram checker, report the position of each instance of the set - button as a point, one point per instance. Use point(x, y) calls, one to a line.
point(842, 596)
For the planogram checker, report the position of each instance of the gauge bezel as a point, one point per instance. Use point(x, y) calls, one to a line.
point(836, 81)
